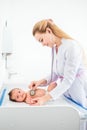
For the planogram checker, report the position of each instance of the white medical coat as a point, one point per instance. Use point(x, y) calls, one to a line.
point(68, 63)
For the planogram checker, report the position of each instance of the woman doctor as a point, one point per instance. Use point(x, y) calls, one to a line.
point(67, 64)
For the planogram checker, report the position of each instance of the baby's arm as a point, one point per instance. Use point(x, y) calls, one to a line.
point(51, 86)
point(39, 93)
point(29, 98)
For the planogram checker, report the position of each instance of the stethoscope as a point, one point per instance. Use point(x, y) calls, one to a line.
point(52, 61)
point(33, 92)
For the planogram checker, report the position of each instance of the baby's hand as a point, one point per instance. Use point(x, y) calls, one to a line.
point(51, 86)
point(28, 99)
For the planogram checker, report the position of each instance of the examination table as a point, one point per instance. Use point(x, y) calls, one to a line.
point(54, 115)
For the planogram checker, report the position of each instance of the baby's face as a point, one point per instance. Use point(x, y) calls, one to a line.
point(18, 95)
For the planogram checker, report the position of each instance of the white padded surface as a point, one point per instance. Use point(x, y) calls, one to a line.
point(59, 102)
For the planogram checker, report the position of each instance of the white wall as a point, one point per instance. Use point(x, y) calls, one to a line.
point(29, 57)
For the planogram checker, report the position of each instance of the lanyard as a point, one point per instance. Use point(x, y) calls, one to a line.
point(52, 63)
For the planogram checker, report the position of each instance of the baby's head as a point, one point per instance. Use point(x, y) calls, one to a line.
point(17, 95)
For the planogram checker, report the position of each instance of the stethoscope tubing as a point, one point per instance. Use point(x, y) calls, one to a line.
point(52, 63)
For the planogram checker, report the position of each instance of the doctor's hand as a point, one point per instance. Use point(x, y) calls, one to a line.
point(41, 100)
point(34, 84)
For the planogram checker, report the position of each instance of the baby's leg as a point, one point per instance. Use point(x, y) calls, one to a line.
point(51, 86)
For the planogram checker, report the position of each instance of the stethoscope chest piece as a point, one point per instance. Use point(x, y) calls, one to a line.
point(32, 92)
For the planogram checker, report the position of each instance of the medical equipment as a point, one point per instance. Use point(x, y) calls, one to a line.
point(20, 118)
point(70, 115)
point(52, 63)
point(44, 117)
point(32, 92)
point(7, 43)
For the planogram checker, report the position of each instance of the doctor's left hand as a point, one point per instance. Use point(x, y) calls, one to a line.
point(41, 100)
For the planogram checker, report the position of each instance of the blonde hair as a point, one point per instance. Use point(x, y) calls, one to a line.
point(42, 25)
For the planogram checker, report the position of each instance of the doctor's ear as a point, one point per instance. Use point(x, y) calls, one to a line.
point(48, 30)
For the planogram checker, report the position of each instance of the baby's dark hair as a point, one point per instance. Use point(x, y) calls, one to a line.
point(10, 95)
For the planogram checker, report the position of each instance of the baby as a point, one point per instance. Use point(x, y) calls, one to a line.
point(19, 95)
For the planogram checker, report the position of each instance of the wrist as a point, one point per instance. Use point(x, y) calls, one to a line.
point(48, 96)
point(43, 82)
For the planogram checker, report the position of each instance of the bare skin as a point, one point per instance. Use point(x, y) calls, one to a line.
point(48, 39)
point(20, 95)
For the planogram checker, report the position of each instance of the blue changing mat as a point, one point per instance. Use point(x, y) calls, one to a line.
point(78, 104)
point(2, 95)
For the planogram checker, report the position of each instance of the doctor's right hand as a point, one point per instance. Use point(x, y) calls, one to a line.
point(34, 84)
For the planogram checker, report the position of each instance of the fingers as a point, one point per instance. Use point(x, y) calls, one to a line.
point(35, 102)
point(32, 85)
